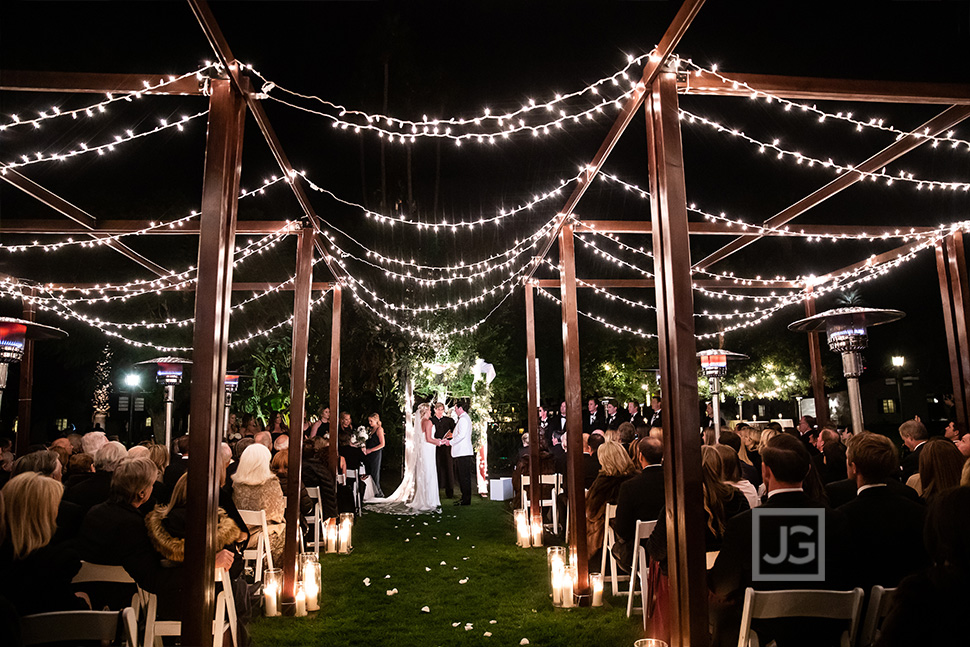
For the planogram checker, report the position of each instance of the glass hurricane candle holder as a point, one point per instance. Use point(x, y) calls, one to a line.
point(596, 585)
point(536, 528)
point(272, 585)
point(311, 585)
point(521, 528)
point(300, 601)
point(344, 539)
point(332, 535)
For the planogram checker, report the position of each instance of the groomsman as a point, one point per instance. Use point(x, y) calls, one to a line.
point(633, 408)
point(443, 428)
point(593, 418)
point(463, 454)
point(656, 418)
point(614, 416)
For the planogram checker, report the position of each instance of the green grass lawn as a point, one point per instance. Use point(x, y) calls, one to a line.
point(465, 567)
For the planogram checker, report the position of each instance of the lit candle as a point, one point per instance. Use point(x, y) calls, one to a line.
point(558, 575)
point(537, 533)
point(567, 589)
point(596, 580)
point(522, 528)
point(311, 585)
point(346, 522)
point(300, 601)
point(331, 535)
point(270, 593)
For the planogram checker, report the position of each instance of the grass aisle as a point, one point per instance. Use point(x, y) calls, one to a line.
point(465, 567)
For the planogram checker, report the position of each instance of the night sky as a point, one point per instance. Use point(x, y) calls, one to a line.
point(451, 59)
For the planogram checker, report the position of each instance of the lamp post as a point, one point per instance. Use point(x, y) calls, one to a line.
point(898, 362)
point(14, 334)
point(714, 365)
point(845, 329)
point(132, 380)
point(168, 372)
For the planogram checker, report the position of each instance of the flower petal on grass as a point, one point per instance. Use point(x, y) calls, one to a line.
point(392, 592)
point(427, 568)
point(443, 564)
point(463, 581)
point(487, 634)
point(524, 641)
point(455, 624)
point(492, 622)
point(426, 609)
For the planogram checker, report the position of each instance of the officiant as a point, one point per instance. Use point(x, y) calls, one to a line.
point(444, 426)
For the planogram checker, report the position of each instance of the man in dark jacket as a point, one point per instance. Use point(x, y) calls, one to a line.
point(95, 490)
point(641, 499)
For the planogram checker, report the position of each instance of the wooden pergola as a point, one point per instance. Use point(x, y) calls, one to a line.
point(230, 97)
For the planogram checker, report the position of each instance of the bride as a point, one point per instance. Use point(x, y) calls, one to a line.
point(418, 491)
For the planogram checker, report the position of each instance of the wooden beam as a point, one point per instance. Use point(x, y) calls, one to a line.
point(236, 287)
point(82, 82)
point(724, 229)
point(532, 404)
point(818, 370)
point(298, 368)
point(816, 89)
point(945, 120)
point(574, 421)
point(115, 227)
point(675, 31)
point(955, 292)
point(630, 284)
point(223, 163)
point(678, 369)
point(335, 378)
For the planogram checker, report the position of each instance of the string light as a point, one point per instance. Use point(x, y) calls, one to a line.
point(83, 149)
point(100, 108)
point(822, 116)
point(809, 161)
point(485, 128)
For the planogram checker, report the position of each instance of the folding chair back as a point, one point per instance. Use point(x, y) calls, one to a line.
point(608, 539)
point(879, 602)
point(257, 519)
point(225, 613)
point(640, 568)
point(552, 502)
point(91, 572)
point(315, 520)
point(352, 475)
point(73, 626)
point(835, 605)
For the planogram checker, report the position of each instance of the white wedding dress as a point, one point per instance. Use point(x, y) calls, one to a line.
point(418, 491)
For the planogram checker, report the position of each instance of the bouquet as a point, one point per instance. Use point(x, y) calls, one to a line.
point(360, 436)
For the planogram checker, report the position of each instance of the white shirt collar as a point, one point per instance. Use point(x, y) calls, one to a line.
point(869, 485)
point(919, 445)
point(784, 489)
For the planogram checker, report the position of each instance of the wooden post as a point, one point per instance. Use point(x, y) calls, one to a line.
point(951, 265)
point(678, 368)
point(535, 487)
point(298, 364)
point(25, 394)
point(217, 229)
point(574, 403)
point(815, 359)
point(335, 379)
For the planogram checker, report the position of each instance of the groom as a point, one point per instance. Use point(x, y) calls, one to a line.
point(462, 453)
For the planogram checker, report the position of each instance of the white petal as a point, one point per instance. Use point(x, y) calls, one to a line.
point(524, 641)
point(426, 609)
point(455, 624)
point(444, 564)
point(492, 622)
point(463, 581)
point(387, 577)
point(487, 634)
point(427, 568)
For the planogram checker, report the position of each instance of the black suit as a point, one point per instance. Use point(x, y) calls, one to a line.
point(640, 499)
point(175, 470)
point(592, 422)
point(732, 573)
point(885, 537)
point(443, 460)
point(637, 420)
point(841, 492)
point(618, 418)
point(91, 491)
point(910, 464)
point(656, 418)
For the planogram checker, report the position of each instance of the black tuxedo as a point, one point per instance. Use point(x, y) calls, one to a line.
point(910, 464)
point(618, 418)
point(656, 418)
point(592, 422)
point(841, 492)
point(637, 420)
point(443, 461)
point(884, 537)
point(640, 499)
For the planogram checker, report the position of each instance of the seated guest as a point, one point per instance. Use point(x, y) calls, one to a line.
point(281, 467)
point(92, 441)
point(317, 473)
point(625, 433)
point(237, 451)
point(930, 608)
point(749, 472)
point(884, 529)
point(615, 469)
point(178, 465)
point(830, 461)
point(63, 455)
point(940, 463)
point(748, 453)
point(914, 436)
point(591, 466)
point(96, 489)
point(159, 455)
point(785, 464)
point(35, 574)
point(731, 474)
point(255, 487)
point(114, 533)
point(641, 498)
point(281, 444)
point(69, 515)
point(80, 468)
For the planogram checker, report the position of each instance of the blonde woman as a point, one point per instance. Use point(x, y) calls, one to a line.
point(255, 487)
point(418, 491)
point(615, 468)
point(373, 450)
point(35, 575)
point(750, 441)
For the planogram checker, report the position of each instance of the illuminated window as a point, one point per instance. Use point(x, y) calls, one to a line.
point(889, 406)
point(61, 424)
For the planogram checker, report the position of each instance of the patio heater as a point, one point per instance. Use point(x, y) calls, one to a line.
point(845, 329)
point(168, 372)
point(14, 333)
point(714, 364)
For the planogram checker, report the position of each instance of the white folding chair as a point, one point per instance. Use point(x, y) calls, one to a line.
point(879, 602)
point(225, 614)
point(354, 489)
point(257, 519)
point(639, 569)
point(552, 502)
point(608, 538)
point(836, 605)
point(91, 572)
point(77, 626)
point(315, 520)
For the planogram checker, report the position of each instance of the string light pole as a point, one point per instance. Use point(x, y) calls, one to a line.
point(898, 362)
point(714, 365)
point(845, 329)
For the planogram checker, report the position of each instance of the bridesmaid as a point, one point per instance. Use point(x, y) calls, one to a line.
point(373, 449)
